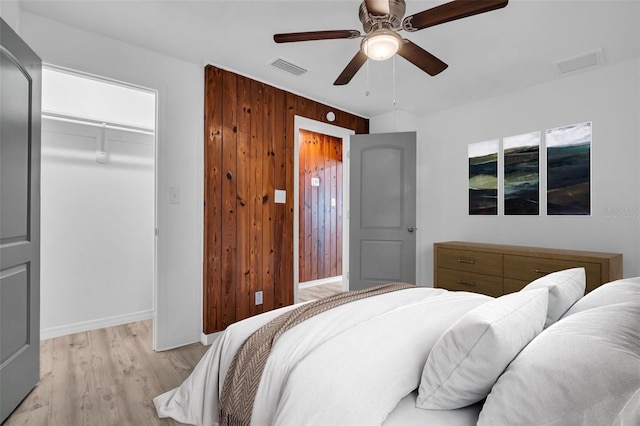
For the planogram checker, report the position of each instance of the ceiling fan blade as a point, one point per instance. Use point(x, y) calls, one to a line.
point(421, 58)
point(451, 11)
point(315, 35)
point(377, 7)
point(352, 68)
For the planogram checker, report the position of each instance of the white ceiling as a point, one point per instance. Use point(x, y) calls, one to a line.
point(488, 54)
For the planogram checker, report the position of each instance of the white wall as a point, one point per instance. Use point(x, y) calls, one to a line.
point(10, 12)
point(96, 228)
point(179, 157)
point(394, 121)
point(607, 96)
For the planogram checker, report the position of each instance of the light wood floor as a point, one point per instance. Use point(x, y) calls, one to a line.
point(319, 291)
point(104, 377)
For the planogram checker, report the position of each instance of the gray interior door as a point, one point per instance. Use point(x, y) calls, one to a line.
point(20, 76)
point(382, 240)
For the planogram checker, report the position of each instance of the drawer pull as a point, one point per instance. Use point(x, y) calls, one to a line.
point(469, 261)
point(540, 271)
point(471, 283)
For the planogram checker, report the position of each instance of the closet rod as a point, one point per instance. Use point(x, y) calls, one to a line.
point(97, 123)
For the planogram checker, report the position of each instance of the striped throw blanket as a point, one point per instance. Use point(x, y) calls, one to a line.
point(243, 378)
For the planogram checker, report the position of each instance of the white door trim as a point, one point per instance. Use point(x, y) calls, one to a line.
point(338, 132)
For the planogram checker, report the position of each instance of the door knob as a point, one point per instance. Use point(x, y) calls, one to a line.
point(411, 229)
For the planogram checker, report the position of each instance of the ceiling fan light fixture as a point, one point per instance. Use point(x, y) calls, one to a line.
point(381, 44)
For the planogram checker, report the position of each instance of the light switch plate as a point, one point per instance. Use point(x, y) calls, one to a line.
point(315, 181)
point(280, 196)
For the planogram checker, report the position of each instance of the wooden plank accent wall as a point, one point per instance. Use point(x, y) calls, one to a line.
point(248, 239)
point(320, 237)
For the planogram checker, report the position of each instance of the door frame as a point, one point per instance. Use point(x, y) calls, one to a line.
point(127, 85)
point(338, 132)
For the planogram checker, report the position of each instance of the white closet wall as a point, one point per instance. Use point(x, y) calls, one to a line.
point(97, 228)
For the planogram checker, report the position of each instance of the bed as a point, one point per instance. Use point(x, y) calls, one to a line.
point(546, 355)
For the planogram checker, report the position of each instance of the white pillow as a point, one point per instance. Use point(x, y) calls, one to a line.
point(470, 356)
point(580, 371)
point(565, 288)
point(607, 294)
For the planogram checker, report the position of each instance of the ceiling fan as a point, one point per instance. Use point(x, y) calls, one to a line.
point(382, 20)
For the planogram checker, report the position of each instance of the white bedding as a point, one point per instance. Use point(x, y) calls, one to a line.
point(407, 414)
point(384, 342)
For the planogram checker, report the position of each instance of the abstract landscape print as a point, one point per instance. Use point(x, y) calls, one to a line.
point(483, 177)
point(521, 160)
point(569, 170)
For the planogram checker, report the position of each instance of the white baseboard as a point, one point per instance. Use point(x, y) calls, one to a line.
point(208, 339)
point(322, 281)
point(79, 327)
point(178, 342)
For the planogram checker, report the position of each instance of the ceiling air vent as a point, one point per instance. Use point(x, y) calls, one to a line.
point(579, 62)
point(287, 66)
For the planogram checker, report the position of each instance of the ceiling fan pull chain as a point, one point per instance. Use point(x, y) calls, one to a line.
point(394, 79)
point(367, 91)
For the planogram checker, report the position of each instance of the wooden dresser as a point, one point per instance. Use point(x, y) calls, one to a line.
point(500, 269)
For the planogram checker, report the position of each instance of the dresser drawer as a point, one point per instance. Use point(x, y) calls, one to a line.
point(511, 285)
point(470, 261)
point(527, 269)
point(469, 281)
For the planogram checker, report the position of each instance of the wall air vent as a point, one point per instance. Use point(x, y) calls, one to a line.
point(579, 62)
point(287, 66)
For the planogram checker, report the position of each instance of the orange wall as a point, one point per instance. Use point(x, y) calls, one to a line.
point(320, 237)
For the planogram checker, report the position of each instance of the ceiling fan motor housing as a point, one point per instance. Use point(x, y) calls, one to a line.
point(391, 21)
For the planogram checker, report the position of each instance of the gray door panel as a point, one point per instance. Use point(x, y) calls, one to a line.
point(20, 77)
point(14, 156)
point(383, 209)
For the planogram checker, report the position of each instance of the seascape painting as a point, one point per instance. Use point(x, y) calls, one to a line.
point(521, 162)
point(483, 177)
point(569, 170)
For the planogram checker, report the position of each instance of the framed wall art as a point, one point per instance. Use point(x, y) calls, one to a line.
point(521, 165)
point(483, 177)
point(569, 170)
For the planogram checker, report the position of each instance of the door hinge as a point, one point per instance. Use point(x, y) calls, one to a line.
point(156, 232)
